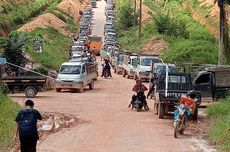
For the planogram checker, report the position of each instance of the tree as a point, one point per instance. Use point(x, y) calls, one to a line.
point(224, 48)
point(13, 46)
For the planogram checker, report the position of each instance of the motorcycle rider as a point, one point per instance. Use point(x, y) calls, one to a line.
point(106, 65)
point(139, 87)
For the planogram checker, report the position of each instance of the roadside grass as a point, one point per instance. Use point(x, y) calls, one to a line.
point(55, 47)
point(219, 133)
point(8, 111)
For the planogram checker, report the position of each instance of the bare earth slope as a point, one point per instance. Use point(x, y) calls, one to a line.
point(47, 20)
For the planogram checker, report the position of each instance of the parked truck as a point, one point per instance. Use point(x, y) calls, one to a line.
point(118, 62)
point(143, 66)
point(128, 65)
point(76, 76)
point(20, 79)
point(170, 87)
point(214, 82)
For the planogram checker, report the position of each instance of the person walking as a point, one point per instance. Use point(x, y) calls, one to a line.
point(27, 127)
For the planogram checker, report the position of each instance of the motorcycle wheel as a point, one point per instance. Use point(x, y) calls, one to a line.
point(176, 127)
point(182, 126)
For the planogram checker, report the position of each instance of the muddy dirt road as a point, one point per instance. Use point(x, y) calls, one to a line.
point(105, 122)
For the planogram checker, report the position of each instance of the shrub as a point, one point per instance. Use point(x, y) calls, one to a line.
point(170, 26)
point(18, 20)
point(194, 51)
point(42, 70)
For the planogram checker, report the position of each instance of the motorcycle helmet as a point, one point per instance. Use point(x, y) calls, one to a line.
point(191, 94)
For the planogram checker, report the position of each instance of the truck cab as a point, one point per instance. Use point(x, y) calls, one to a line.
point(76, 75)
point(143, 67)
point(214, 82)
point(130, 61)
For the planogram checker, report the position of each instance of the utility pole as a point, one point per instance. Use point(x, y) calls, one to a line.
point(221, 53)
point(134, 12)
point(140, 18)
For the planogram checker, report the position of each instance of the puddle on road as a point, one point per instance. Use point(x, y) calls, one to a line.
point(51, 123)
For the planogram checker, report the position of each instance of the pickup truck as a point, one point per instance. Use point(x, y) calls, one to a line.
point(128, 65)
point(143, 67)
point(118, 61)
point(27, 81)
point(168, 93)
point(214, 82)
point(76, 75)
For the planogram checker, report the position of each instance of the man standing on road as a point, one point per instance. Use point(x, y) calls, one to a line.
point(27, 127)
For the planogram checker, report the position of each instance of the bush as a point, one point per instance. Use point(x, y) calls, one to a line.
point(42, 70)
point(170, 26)
point(193, 51)
point(18, 20)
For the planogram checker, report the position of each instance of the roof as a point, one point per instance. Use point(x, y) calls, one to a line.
point(72, 63)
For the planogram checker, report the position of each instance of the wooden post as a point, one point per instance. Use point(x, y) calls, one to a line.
point(140, 18)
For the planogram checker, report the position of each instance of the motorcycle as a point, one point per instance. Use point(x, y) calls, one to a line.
point(138, 103)
point(181, 115)
point(106, 71)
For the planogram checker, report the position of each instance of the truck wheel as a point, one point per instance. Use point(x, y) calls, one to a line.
point(115, 70)
point(91, 85)
point(128, 76)
point(30, 92)
point(58, 89)
point(123, 73)
point(195, 114)
point(135, 77)
point(161, 110)
point(81, 89)
point(155, 108)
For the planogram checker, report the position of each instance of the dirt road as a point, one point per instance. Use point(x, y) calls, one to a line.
point(105, 122)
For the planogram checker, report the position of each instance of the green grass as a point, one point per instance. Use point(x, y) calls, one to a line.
point(8, 111)
point(219, 133)
point(55, 47)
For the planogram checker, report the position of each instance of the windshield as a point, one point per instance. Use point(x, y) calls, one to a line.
point(70, 69)
point(95, 39)
point(162, 69)
point(146, 62)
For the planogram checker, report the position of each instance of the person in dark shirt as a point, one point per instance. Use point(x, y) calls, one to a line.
point(27, 127)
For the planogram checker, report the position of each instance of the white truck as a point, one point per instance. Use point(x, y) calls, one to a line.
point(143, 67)
point(76, 75)
point(129, 62)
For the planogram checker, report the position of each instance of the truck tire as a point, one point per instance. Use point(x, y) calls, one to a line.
point(115, 70)
point(123, 73)
point(30, 92)
point(128, 76)
point(81, 89)
point(155, 108)
point(91, 85)
point(58, 89)
point(195, 114)
point(161, 111)
point(135, 77)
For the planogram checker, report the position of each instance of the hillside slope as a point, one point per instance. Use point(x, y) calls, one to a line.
point(43, 19)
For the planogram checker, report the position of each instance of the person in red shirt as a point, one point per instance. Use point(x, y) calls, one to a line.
point(142, 88)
